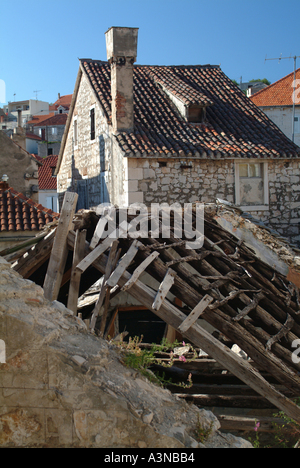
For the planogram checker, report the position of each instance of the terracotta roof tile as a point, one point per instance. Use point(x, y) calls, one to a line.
point(18, 213)
point(277, 94)
point(234, 126)
point(58, 119)
point(64, 101)
point(46, 179)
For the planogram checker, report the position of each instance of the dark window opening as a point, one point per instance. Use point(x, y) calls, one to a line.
point(162, 164)
point(196, 114)
point(92, 114)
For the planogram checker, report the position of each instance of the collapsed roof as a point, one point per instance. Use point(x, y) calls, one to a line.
point(223, 282)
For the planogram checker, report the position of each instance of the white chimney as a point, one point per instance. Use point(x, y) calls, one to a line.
point(121, 47)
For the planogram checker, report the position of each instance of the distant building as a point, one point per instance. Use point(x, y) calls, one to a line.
point(48, 196)
point(50, 128)
point(28, 109)
point(276, 101)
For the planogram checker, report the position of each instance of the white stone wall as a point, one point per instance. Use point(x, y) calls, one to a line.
point(283, 118)
point(83, 161)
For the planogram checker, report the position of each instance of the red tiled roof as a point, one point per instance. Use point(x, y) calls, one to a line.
point(234, 126)
point(46, 180)
point(279, 93)
point(58, 119)
point(37, 119)
point(19, 213)
point(33, 136)
point(64, 101)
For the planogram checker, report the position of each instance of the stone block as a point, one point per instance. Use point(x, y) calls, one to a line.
point(135, 197)
point(149, 174)
point(135, 174)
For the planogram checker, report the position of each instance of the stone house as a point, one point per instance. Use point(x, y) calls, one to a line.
point(19, 165)
point(51, 131)
point(61, 105)
point(276, 101)
point(153, 134)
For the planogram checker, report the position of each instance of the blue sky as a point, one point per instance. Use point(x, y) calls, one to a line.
point(40, 42)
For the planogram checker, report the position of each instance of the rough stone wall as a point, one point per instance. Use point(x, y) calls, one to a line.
point(63, 387)
point(154, 181)
point(151, 181)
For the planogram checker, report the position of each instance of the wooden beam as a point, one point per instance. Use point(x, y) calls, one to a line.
point(211, 345)
point(94, 254)
point(139, 270)
point(35, 257)
point(195, 314)
point(163, 289)
point(79, 251)
point(123, 264)
point(59, 252)
point(109, 268)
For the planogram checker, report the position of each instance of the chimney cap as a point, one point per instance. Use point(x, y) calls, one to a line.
point(121, 42)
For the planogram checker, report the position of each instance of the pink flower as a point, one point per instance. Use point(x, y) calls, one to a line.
point(182, 358)
point(183, 343)
point(257, 425)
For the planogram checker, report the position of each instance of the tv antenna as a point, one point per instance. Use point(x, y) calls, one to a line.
point(294, 87)
point(37, 91)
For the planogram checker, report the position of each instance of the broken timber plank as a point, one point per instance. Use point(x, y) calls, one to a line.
point(98, 232)
point(163, 289)
point(249, 307)
point(202, 338)
point(123, 265)
point(285, 329)
point(195, 314)
point(35, 257)
point(79, 251)
point(59, 252)
point(139, 270)
point(109, 268)
point(94, 254)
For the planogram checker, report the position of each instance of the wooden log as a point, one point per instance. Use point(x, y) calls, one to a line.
point(195, 314)
point(79, 251)
point(200, 337)
point(227, 401)
point(139, 270)
point(247, 424)
point(163, 289)
point(59, 251)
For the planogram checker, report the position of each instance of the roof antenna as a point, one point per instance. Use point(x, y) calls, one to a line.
point(37, 91)
point(294, 87)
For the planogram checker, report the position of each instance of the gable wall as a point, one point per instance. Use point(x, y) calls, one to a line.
point(83, 163)
point(283, 118)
